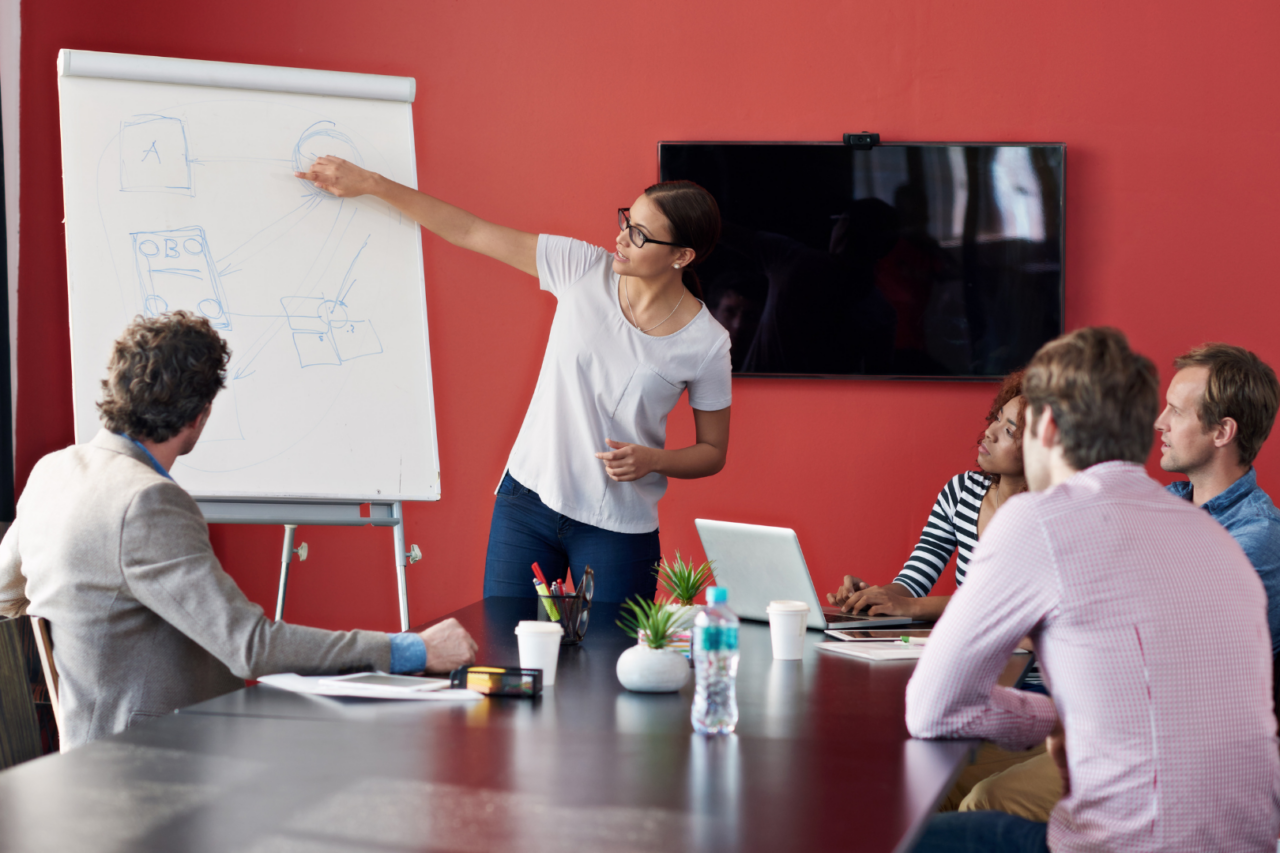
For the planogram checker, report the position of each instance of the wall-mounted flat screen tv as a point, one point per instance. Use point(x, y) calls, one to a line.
point(905, 260)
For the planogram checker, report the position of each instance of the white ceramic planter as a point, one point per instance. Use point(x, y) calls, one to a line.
point(647, 670)
point(684, 615)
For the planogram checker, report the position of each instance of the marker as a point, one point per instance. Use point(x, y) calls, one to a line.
point(915, 641)
point(550, 605)
point(537, 573)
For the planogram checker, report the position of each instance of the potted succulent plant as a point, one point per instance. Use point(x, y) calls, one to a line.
point(680, 582)
point(651, 665)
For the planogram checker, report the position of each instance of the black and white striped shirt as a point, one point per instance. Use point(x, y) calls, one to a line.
point(952, 526)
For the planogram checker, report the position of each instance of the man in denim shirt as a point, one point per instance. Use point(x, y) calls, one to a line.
point(1221, 405)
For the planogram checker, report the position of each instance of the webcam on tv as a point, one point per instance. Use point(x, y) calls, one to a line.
point(862, 141)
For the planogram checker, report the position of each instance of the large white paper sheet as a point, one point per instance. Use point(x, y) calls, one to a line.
point(311, 684)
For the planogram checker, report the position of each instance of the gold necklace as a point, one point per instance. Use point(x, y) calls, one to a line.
point(627, 292)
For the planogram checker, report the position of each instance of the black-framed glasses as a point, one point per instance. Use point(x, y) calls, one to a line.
point(637, 237)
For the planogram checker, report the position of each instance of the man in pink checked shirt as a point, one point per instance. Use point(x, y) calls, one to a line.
point(1149, 622)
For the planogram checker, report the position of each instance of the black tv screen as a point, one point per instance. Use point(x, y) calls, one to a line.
point(904, 260)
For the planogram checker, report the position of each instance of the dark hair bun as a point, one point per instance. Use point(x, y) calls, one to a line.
point(695, 222)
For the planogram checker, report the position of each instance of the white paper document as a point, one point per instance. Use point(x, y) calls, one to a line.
point(889, 650)
point(323, 685)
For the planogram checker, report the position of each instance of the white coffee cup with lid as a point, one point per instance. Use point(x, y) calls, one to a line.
point(540, 647)
point(787, 623)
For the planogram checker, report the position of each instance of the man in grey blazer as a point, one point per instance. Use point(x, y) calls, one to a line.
point(116, 556)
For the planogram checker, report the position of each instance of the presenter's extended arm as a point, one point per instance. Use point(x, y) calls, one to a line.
point(347, 180)
point(626, 462)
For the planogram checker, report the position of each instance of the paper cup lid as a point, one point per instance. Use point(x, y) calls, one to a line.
point(532, 627)
point(787, 607)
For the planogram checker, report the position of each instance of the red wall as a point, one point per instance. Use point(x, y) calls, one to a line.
point(546, 116)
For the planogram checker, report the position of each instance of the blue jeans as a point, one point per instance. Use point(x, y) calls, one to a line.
point(982, 832)
point(525, 531)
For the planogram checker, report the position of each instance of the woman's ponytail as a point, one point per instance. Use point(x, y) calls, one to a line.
point(691, 281)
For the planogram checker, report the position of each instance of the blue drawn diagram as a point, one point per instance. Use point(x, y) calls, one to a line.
point(323, 335)
point(191, 203)
point(324, 332)
point(177, 270)
point(320, 139)
point(154, 156)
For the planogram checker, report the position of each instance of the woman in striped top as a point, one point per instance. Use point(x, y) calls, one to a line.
point(963, 510)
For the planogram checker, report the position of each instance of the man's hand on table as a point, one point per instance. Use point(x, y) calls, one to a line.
point(449, 646)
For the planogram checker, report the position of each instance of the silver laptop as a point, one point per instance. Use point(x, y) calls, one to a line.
point(759, 564)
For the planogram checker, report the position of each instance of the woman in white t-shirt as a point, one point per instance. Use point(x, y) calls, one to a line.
point(583, 480)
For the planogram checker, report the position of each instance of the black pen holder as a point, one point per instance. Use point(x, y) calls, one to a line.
point(573, 611)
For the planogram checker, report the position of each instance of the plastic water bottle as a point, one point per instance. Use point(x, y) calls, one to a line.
point(715, 664)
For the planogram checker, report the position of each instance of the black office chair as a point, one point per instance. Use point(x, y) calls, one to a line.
point(19, 727)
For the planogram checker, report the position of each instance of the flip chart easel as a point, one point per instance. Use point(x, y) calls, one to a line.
point(179, 191)
point(327, 513)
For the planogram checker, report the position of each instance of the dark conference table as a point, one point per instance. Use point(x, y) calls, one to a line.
point(821, 760)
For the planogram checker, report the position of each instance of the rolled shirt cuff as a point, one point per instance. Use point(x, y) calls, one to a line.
point(408, 653)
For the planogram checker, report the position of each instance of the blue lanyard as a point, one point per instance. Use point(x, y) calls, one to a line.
point(154, 462)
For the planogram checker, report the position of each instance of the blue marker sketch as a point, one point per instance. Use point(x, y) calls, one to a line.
point(176, 267)
point(176, 270)
point(318, 140)
point(154, 156)
point(337, 342)
point(323, 331)
point(198, 209)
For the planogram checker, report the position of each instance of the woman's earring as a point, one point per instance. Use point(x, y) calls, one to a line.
point(677, 266)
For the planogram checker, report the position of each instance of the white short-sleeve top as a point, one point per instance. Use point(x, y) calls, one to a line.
point(603, 378)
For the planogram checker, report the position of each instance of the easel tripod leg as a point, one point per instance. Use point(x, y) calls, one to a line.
point(402, 558)
point(285, 559)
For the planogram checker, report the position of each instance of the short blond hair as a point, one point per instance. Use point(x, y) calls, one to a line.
point(1242, 387)
point(1104, 396)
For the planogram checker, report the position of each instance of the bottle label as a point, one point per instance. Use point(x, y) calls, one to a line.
point(716, 638)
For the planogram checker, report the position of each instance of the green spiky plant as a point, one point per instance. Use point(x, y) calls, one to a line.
point(683, 581)
point(649, 621)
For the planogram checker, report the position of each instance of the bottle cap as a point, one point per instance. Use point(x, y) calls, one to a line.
point(717, 595)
